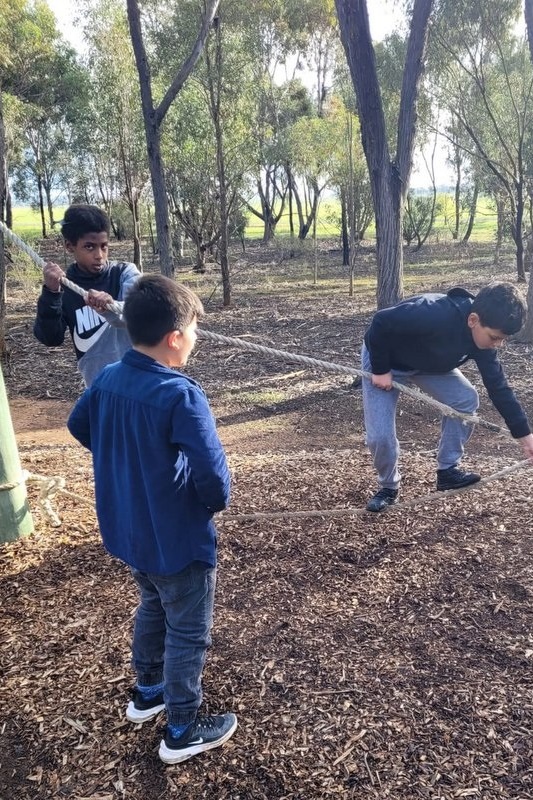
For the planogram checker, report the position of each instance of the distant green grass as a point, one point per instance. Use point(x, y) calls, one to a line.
point(27, 222)
point(329, 214)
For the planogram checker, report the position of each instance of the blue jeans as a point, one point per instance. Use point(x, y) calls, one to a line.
point(379, 407)
point(172, 632)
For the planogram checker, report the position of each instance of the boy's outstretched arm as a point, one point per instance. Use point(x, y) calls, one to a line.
point(78, 422)
point(49, 327)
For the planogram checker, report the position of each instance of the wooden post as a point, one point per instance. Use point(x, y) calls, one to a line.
point(15, 516)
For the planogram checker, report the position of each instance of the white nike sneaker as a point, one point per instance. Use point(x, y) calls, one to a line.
point(205, 733)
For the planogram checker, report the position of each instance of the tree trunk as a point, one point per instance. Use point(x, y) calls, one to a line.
point(457, 199)
point(49, 204)
point(311, 217)
point(344, 230)
point(518, 236)
point(472, 215)
point(214, 75)
point(41, 204)
point(528, 12)
point(9, 206)
point(299, 207)
point(291, 220)
point(389, 178)
point(153, 119)
point(137, 248)
point(3, 190)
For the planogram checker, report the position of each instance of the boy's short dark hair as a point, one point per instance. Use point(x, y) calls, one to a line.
point(81, 219)
point(500, 306)
point(155, 306)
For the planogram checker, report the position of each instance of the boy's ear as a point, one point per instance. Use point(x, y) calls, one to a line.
point(69, 246)
point(472, 319)
point(174, 340)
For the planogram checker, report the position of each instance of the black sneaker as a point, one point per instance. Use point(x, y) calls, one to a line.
point(204, 733)
point(455, 478)
point(382, 499)
point(140, 710)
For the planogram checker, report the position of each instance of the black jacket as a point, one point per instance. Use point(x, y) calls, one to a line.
point(429, 333)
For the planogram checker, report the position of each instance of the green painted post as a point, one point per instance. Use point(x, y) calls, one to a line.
point(15, 516)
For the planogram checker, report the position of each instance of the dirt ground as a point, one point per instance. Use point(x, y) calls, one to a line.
point(365, 657)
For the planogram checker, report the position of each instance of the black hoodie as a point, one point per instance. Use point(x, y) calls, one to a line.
point(430, 333)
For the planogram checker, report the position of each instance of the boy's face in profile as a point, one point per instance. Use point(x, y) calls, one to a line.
point(484, 337)
point(90, 251)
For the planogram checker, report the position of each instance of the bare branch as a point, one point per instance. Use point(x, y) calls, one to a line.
point(190, 62)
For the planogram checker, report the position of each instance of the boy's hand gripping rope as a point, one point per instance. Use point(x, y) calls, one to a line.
point(116, 308)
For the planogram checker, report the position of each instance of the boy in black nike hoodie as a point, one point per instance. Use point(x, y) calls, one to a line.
point(99, 338)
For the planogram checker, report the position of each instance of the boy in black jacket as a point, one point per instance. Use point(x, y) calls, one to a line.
point(422, 341)
point(99, 338)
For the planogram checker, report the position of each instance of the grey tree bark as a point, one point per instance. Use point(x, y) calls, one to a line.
point(215, 94)
point(389, 177)
point(153, 117)
point(527, 331)
point(3, 188)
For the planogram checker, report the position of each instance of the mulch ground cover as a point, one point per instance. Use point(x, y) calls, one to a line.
point(365, 656)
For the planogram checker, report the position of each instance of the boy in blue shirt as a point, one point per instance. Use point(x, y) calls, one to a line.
point(423, 340)
point(160, 474)
point(99, 337)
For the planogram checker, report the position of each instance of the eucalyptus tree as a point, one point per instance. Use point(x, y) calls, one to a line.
point(351, 179)
point(389, 176)
point(319, 25)
point(276, 36)
point(528, 332)
point(154, 112)
point(208, 147)
point(116, 144)
point(494, 107)
point(40, 71)
point(315, 145)
point(31, 51)
point(44, 124)
point(276, 110)
point(460, 162)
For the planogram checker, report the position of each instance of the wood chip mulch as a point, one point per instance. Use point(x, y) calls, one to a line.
point(365, 657)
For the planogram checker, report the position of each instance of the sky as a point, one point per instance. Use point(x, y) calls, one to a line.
point(384, 18)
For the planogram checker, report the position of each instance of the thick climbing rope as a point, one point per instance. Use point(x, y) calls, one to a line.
point(115, 307)
point(328, 366)
point(284, 355)
point(51, 486)
point(355, 512)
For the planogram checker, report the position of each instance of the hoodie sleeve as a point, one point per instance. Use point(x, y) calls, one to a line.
point(408, 320)
point(50, 325)
point(194, 430)
point(501, 394)
point(128, 276)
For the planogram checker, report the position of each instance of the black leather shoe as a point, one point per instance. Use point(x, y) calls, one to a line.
point(455, 478)
point(382, 499)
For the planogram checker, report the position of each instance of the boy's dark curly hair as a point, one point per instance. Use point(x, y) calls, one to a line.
point(500, 306)
point(81, 219)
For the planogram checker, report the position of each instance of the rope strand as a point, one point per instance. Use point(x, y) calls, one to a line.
point(116, 308)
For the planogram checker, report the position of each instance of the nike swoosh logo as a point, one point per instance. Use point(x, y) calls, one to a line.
point(196, 741)
point(85, 344)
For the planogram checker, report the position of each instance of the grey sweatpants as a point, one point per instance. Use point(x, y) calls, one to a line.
point(379, 407)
